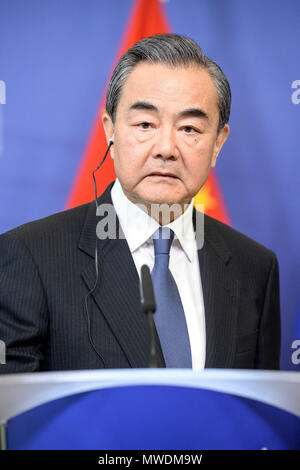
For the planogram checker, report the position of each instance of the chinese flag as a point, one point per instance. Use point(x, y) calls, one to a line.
point(147, 18)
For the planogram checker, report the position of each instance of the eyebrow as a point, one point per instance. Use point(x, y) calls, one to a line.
point(143, 105)
point(193, 112)
point(190, 112)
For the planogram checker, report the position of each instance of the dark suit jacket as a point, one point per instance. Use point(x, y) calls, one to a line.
point(47, 267)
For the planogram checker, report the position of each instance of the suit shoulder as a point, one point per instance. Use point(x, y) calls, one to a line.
point(63, 224)
point(237, 241)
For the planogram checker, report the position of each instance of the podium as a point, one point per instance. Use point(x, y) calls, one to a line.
point(151, 409)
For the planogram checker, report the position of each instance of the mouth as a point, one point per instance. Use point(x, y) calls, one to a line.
point(161, 174)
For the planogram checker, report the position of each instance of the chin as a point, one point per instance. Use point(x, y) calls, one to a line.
point(162, 198)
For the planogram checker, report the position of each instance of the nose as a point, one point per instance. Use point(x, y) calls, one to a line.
point(165, 144)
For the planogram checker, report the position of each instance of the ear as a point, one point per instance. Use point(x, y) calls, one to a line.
point(220, 141)
point(109, 130)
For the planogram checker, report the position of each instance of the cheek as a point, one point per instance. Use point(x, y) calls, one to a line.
point(130, 151)
point(128, 158)
point(204, 150)
point(198, 160)
point(205, 145)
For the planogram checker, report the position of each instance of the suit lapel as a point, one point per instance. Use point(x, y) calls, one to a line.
point(221, 295)
point(117, 293)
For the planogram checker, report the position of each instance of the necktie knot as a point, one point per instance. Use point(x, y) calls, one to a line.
point(162, 240)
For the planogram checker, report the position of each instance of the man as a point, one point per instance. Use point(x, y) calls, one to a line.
point(166, 117)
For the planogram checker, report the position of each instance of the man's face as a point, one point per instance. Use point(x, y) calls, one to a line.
point(165, 133)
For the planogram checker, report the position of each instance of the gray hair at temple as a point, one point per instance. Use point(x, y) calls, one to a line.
point(173, 50)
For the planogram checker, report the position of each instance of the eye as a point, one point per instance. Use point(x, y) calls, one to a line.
point(144, 125)
point(189, 129)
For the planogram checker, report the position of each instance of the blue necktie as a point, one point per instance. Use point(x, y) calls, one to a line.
point(169, 316)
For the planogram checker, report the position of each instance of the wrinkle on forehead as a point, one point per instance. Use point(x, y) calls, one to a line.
point(177, 88)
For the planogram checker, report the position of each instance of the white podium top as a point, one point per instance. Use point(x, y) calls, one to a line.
point(21, 392)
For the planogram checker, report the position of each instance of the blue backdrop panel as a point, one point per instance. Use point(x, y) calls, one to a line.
point(55, 57)
point(154, 417)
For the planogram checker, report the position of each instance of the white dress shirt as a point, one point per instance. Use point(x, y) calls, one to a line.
point(138, 227)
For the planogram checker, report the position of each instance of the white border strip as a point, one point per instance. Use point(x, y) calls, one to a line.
point(21, 392)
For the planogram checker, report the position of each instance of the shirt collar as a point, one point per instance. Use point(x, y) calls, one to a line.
point(138, 227)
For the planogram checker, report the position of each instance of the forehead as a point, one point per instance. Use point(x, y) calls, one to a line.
point(167, 86)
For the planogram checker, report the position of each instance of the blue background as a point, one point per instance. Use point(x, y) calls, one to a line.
point(55, 57)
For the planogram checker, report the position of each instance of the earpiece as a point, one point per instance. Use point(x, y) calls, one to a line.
point(111, 141)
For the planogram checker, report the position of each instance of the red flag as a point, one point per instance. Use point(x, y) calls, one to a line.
point(211, 197)
point(147, 18)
